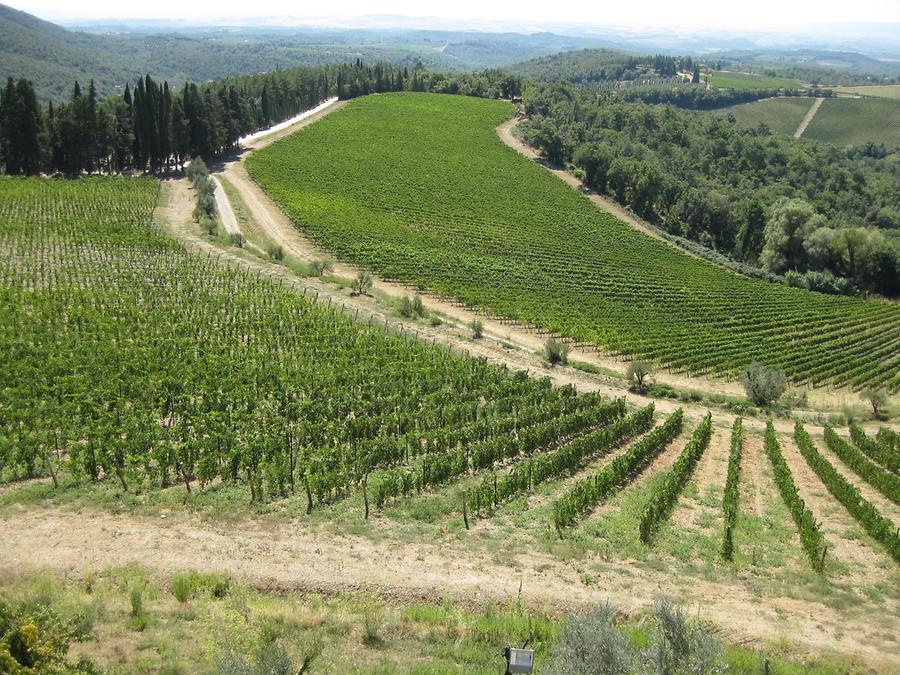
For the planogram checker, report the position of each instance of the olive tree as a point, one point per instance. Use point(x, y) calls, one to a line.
point(877, 399)
point(764, 386)
point(362, 284)
point(638, 374)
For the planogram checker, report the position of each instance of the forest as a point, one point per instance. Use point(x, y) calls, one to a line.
point(585, 66)
point(819, 215)
point(154, 128)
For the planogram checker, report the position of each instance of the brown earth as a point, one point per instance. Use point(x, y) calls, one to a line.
point(296, 556)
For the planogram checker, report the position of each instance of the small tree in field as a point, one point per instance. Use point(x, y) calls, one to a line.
point(477, 329)
point(556, 351)
point(878, 400)
point(321, 267)
point(638, 374)
point(362, 284)
point(764, 386)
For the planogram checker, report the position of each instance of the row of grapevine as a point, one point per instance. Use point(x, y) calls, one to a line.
point(589, 492)
point(881, 529)
point(884, 481)
point(663, 498)
point(889, 439)
point(730, 499)
point(875, 450)
point(810, 535)
point(524, 476)
point(497, 420)
point(440, 468)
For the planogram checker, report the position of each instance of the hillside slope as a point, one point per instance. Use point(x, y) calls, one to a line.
point(447, 206)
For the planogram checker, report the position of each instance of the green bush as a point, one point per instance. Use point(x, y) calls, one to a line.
point(183, 587)
point(477, 328)
point(275, 251)
point(556, 351)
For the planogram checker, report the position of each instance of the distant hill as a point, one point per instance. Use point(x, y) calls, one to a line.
point(53, 57)
point(814, 65)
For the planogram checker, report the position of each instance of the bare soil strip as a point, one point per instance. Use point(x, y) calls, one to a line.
point(863, 556)
point(295, 556)
point(813, 109)
point(223, 206)
point(709, 476)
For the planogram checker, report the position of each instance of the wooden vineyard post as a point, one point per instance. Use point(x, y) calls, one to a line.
point(366, 494)
point(465, 512)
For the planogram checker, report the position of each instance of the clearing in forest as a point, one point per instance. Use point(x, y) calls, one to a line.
point(782, 114)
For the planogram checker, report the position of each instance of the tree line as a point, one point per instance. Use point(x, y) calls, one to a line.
point(151, 127)
point(817, 216)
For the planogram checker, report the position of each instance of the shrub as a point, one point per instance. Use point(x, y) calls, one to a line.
point(764, 386)
point(406, 307)
point(592, 644)
point(373, 619)
point(182, 587)
point(196, 170)
point(435, 320)
point(137, 599)
point(418, 307)
point(275, 251)
point(210, 225)
point(477, 329)
point(237, 239)
point(680, 646)
point(556, 351)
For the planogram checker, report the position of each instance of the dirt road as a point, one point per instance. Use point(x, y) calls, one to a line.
point(294, 555)
point(223, 206)
point(504, 342)
point(813, 109)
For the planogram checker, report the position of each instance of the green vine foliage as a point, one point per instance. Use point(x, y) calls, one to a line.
point(810, 534)
point(663, 498)
point(730, 499)
point(589, 492)
point(881, 529)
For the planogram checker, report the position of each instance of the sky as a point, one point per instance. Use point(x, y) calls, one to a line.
point(650, 13)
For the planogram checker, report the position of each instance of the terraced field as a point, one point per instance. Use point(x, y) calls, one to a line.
point(419, 188)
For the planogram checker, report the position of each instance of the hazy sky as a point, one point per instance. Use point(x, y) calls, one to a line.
point(694, 13)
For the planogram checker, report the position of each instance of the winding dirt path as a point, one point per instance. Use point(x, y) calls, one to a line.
point(813, 109)
point(511, 344)
point(223, 206)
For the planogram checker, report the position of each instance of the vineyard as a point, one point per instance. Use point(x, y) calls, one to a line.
point(420, 189)
point(133, 364)
point(125, 357)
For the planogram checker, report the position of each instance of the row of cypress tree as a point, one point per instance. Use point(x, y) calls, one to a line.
point(151, 127)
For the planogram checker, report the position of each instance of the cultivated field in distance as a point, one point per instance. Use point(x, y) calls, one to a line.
point(782, 115)
point(752, 81)
point(856, 121)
